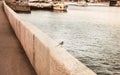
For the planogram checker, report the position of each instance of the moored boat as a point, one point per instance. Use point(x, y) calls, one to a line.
point(19, 6)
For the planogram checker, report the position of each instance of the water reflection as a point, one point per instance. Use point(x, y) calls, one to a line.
point(58, 11)
point(91, 34)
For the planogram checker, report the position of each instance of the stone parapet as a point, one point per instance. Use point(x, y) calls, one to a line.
point(45, 57)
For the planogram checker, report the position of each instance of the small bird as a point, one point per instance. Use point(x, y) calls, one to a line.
point(61, 43)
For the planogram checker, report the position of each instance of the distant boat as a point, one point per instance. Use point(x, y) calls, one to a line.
point(60, 6)
point(40, 5)
point(82, 3)
point(48, 5)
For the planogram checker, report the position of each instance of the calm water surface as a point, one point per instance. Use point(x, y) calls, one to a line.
point(91, 34)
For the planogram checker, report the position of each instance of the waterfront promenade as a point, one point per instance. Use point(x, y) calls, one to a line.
point(13, 60)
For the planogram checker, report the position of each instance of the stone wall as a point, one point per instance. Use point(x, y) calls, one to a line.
point(10, 0)
point(45, 57)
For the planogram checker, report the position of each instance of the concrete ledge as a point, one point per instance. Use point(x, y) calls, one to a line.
point(45, 57)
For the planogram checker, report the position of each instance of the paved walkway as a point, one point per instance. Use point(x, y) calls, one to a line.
point(13, 60)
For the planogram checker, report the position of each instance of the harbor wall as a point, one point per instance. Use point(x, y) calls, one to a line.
point(44, 54)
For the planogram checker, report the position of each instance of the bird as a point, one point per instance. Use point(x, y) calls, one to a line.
point(61, 43)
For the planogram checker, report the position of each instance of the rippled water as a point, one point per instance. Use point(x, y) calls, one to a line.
point(91, 34)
